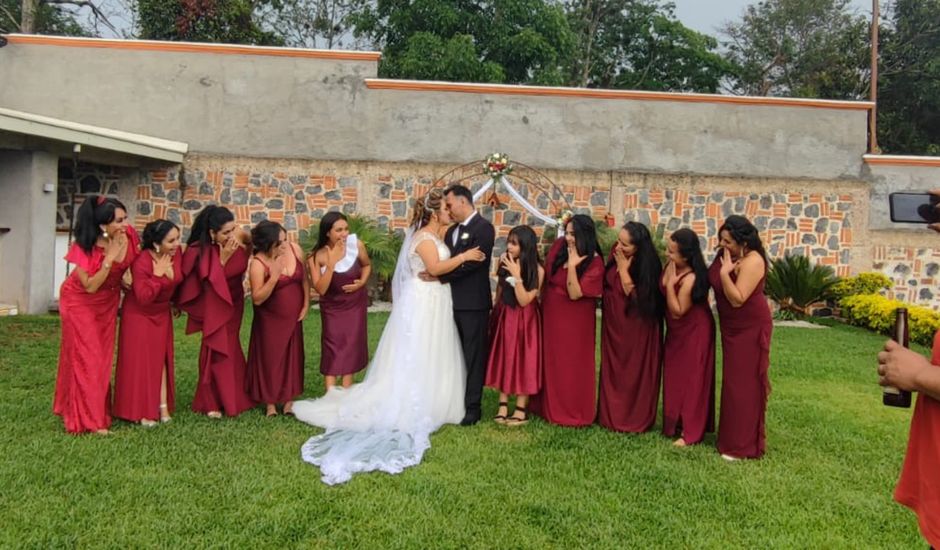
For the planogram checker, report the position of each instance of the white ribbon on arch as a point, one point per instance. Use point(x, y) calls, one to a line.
point(504, 181)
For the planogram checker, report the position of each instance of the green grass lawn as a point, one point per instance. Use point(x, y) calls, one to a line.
point(834, 453)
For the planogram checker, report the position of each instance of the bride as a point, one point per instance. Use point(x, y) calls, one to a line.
point(416, 380)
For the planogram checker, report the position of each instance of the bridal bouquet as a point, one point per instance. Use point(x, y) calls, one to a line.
point(497, 165)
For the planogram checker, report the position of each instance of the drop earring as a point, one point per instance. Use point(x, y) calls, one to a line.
point(156, 247)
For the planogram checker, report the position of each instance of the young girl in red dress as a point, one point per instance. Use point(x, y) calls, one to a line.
point(105, 246)
point(689, 359)
point(280, 292)
point(515, 361)
point(143, 382)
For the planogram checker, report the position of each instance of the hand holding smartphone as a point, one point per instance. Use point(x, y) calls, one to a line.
point(914, 207)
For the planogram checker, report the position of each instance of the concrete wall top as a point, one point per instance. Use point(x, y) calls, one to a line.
point(241, 100)
point(308, 104)
point(891, 173)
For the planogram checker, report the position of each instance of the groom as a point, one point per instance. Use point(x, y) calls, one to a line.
point(470, 287)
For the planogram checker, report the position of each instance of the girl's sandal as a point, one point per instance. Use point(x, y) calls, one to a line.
point(501, 418)
point(515, 420)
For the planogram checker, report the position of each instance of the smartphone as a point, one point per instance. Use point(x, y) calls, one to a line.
point(914, 207)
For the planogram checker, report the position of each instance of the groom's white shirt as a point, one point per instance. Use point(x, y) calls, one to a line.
point(462, 225)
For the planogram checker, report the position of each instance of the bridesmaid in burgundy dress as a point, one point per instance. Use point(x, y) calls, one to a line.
point(574, 280)
point(631, 333)
point(213, 294)
point(340, 268)
point(689, 364)
point(105, 246)
point(515, 362)
point(737, 275)
point(280, 292)
point(143, 383)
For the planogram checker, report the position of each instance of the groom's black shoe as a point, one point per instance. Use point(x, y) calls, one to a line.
point(471, 418)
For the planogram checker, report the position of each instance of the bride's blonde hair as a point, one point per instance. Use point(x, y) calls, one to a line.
point(425, 206)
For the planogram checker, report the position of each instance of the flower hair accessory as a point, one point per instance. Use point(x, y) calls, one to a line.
point(565, 218)
point(497, 165)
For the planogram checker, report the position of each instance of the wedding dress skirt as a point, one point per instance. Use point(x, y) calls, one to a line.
point(415, 384)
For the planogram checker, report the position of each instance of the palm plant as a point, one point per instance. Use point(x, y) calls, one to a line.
point(796, 285)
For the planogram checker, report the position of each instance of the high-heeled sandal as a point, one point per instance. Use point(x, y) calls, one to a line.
point(501, 418)
point(515, 420)
point(214, 414)
point(147, 423)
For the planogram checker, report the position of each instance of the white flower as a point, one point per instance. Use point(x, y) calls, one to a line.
point(465, 236)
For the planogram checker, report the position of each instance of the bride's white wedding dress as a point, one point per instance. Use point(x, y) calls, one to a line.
point(415, 382)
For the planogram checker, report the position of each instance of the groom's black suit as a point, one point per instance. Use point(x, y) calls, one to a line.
point(470, 288)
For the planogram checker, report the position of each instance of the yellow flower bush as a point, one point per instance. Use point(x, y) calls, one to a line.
point(863, 283)
point(877, 313)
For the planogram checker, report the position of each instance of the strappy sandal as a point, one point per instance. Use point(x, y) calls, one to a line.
point(515, 420)
point(501, 418)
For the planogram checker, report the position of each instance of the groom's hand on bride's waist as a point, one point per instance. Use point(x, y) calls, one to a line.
point(427, 277)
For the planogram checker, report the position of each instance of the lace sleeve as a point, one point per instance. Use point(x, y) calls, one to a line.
point(419, 238)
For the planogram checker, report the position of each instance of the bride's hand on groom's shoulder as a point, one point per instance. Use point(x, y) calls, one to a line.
point(473, 255)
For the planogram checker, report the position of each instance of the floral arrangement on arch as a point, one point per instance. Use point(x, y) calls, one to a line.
point(497, 165)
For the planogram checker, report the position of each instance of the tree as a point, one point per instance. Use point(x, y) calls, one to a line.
point(58, 17)
point(640, 44)
point(800, 48)
point(225, 21)
point(512, 41)
point(312, 23)
point(909, 89)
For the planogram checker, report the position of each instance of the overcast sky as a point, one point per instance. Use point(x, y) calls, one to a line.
point(706, 15)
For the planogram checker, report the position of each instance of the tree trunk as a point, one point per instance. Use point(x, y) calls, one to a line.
point(28, 18)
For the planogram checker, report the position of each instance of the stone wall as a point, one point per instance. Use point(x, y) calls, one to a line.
point(826, 221)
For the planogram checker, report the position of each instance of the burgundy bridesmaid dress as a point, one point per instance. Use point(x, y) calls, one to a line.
point(145, 342)
point(745, 385)
point(214, 297)
point(569, 382)
point(515, 361)
point(631, 359)
point(344, 348)
point(276, 348)
point(689, 372)
point(83, 383)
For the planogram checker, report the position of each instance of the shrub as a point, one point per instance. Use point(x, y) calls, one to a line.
point(876, 312)
point(863, 283)
point(795, 284)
